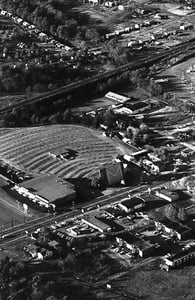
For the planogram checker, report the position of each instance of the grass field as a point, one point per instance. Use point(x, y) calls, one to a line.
point(181, 82)
point(154, 284)
point(28, 148)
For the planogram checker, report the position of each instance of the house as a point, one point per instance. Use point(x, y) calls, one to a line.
point(109, 4)
point(178, 258)
point(19, 20)
point(31, 250)
point(154, 158)
point(131, 204)
point(121, 7)
point(188, 26)
point(187, 152)
point(137, 26)
point(167, 194)
point(131, 43)
point(25, 24)
point(42, 35)
point(150, 166)
point(3, 12)
point(161, 16)
point(139, 154)
point(94, 2)
point(119, 31)
point(110, 35)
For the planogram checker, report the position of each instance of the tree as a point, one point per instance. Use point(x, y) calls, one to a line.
point(143, 128)
point(130, 131)
point(39, 88)
point(53, 29)
point(61, 264)
point(109, 117)
point(37, 295)
point(136, 137)
point(62, 32)
point(67, 116)
point(145, 138)
point(182, 214)
point(92, 35)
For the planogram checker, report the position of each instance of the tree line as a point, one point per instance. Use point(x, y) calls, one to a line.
point(57, 18)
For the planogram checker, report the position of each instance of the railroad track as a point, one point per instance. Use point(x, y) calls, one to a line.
point(57, 93)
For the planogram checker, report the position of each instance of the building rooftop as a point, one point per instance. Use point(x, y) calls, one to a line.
point(116, 97)
point(136, 105)
point(93, 218)
point(181, 253)
point(114, 212)
point(143, 245)
point(167, 193)
point(178, 227)
point(132, 202)
point(149, 197)
point(50, 187)
point(114, 226)
point(127, 237)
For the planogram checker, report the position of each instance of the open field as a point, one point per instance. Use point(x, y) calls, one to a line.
point(153, 284)
point(28, 149)
point(181, 82)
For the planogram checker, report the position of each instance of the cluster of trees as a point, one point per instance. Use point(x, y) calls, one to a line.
point(29, 50)
point(117, 54)
point(40, 79)
point(66, 277)
point(139, 135)
point(36, 77)
point(55, 17)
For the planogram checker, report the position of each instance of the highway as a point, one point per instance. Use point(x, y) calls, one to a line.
point(57, 93)
point(10, 235)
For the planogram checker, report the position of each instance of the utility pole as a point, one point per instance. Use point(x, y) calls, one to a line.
point(2, 231)
point(12, 222)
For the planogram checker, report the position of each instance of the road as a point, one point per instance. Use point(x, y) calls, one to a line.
point(10, 235)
